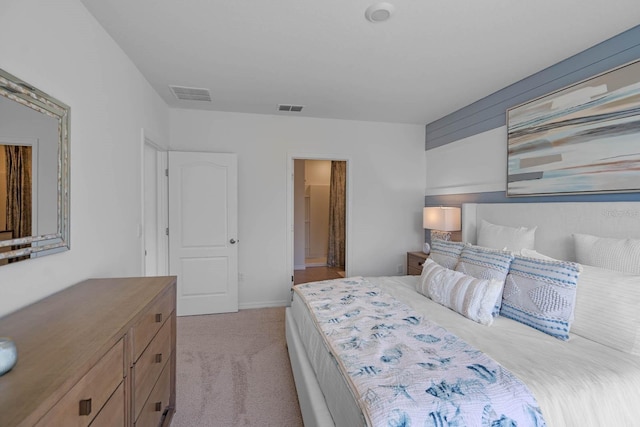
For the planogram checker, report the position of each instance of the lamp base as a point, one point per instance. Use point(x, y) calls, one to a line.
point(8, 355)
point(442, 235)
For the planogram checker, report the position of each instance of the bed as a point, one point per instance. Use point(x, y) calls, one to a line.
point(590, 376)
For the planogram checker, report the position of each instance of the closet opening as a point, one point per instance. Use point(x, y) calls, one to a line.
point(319, 219)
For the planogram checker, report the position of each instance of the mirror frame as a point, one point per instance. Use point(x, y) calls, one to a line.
point(19, 91)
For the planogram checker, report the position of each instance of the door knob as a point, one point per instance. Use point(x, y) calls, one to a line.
point(233, 241)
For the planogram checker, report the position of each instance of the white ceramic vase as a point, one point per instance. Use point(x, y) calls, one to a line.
point(8, 355)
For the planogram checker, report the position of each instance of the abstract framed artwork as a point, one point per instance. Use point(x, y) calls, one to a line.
point(584, 138)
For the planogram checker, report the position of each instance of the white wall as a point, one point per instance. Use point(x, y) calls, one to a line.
point(317, 180)
point(318, 226)
point(317, 172)
point(470, 165)
point(387, 175)
point(62, 51)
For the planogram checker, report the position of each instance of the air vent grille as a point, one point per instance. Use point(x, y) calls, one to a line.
point(289, 107)
point(191, 93)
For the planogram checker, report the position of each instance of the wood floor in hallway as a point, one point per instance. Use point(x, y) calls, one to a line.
point(314, 274)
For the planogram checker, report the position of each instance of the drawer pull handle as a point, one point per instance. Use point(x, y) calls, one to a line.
point(159, 358)
point(158, 317)
point(158, 406)
point(85, 406)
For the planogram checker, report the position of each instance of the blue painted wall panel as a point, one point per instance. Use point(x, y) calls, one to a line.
point(500, 197)
point(490, 112)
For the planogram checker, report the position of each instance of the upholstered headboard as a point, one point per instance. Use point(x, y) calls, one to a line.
point(556, 222)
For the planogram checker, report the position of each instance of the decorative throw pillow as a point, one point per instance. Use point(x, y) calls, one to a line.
point(446, 253)
point(484, 263)
point(506, 238)
point(541, 294)
point(608, 309)
point(471, 297)
point(613, 254)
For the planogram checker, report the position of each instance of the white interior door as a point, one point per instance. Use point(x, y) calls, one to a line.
point(203, 248)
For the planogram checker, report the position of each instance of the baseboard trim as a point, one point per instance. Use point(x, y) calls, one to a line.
point(264, 304)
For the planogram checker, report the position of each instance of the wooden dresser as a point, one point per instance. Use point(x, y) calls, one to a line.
point(100, 353)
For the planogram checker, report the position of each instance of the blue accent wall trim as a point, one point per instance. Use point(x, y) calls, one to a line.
point(500, 197)
point(490, 112)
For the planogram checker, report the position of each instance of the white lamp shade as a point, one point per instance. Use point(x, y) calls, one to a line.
point(441, 218)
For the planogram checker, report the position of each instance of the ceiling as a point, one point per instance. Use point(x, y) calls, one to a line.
point(431, 58)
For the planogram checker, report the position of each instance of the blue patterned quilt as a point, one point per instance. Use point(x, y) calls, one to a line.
point(405, 370)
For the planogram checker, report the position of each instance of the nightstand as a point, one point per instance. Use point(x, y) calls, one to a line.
point(414, 262)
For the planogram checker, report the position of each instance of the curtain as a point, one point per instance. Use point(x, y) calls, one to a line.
point(337, 207)
point(18, 162)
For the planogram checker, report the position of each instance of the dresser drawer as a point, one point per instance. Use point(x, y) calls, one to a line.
point(112, 413)
point(157, 402)
point(148, 367)
point(85, 399)
point(151, 322)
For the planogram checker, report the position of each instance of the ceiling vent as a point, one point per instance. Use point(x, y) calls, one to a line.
point(289, 107)
point(191, 93)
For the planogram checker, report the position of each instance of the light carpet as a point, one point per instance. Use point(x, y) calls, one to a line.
point(233, 370)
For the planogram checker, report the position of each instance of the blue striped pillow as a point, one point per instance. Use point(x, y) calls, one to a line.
point(541, 294)
point(446, 253)
point(485, 263)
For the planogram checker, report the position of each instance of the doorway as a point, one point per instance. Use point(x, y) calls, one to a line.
point(155, 244)
point(319, 200)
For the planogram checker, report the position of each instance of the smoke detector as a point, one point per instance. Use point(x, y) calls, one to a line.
point(191, 93)
point(379, 12)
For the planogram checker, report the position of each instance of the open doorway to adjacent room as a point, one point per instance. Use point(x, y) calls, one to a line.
point(319, 219)
point(155, 204)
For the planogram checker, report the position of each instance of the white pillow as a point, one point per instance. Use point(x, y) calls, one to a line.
point(506, 238)
point(613, 254)
point(471, 297)
point(535, 254)
point(608, 308)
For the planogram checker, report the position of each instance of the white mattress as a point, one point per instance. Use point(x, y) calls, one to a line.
point(576, 383)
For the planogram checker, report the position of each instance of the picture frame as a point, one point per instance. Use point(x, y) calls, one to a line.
point(584, 138)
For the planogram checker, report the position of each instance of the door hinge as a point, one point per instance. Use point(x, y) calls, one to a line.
point(166, 231)
point(166, 172)
point(292, 278)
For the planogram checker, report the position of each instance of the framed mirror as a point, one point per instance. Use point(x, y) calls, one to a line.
point(34, 172)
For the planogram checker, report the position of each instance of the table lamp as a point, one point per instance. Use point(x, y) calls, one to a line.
point(441, 221)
